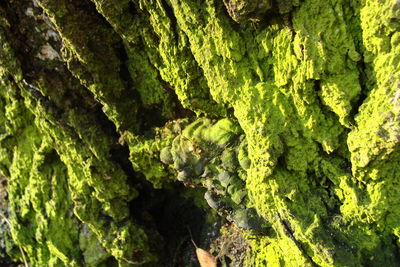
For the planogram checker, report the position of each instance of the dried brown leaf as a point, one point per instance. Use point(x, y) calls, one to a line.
point(205, 258)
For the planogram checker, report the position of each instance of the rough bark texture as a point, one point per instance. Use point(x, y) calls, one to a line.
point(116, 117)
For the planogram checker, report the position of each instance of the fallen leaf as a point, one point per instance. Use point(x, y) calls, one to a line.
point(205, 258)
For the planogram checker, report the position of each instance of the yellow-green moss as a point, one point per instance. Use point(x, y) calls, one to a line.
point(317, 166)
point(373, 142)
point(61, 175)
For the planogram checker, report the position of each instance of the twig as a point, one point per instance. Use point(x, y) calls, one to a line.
point(191, 237)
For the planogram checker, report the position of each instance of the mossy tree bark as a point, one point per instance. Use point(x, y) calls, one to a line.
point(287, 112)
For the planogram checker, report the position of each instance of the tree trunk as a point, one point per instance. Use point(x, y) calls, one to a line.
point(118, 116)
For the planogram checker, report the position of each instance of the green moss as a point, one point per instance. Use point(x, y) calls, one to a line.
point(166, 63)
point(93, 252)
point(37, 181)
point(286, 147)
point(220, 134)
point(82, 47)
point(61, 174)
point(146, 156)
point(169, 145)
point(99, 191)
point(285, 119)
point(373, 142)
point(293, 95)
point(39, 196)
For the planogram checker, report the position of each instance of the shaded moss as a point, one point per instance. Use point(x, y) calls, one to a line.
point(95, 185)
point(38, 193)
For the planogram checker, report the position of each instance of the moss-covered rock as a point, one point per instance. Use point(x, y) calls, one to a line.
point(285, 113)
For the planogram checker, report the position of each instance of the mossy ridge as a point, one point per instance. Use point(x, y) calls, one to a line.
point(98, 200)
point(373, 142)
point(129, 23)
point(37, 189)
point(98, 185)
point(45, 203)
point(174, 60)
point(150, 26)
point(275, 114)
point(24, 162)
point(91, 52)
